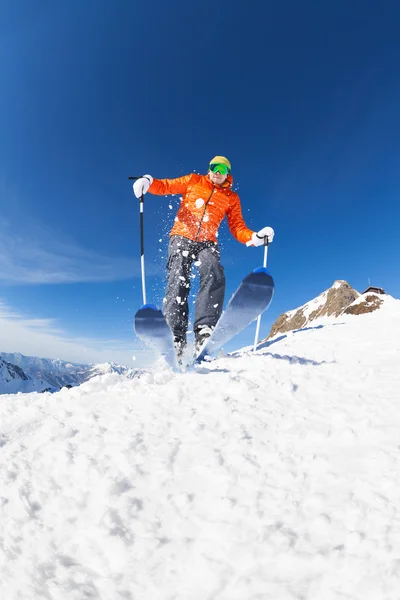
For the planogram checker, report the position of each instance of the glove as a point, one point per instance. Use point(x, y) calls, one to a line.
point(257, 239)
point(141, 185)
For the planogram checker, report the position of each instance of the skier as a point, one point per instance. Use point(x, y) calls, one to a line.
point(206, 200)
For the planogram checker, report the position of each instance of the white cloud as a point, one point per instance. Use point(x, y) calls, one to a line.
point(36, 256)
point(43, 338)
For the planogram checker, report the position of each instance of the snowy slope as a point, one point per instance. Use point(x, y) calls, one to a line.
point(13, 380)
point(262, 476)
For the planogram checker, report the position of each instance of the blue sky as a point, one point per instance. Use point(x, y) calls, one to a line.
point(302, 98)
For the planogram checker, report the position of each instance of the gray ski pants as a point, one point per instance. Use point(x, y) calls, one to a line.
point(182, 253)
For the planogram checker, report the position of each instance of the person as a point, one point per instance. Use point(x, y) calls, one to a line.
point(206, 200)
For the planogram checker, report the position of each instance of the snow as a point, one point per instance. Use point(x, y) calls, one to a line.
point(338, 284)
point(310, 306)
point(261, 475)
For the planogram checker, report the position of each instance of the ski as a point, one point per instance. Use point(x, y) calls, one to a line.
point(251, 299)
point(150, 325)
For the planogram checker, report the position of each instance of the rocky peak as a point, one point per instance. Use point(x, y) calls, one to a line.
point(339, 296)
point(331, 303)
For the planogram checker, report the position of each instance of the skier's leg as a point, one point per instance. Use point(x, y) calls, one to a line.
point(175, 308)
point(210, 298)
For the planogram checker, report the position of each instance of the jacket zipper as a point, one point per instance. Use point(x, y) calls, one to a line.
point(204, 212)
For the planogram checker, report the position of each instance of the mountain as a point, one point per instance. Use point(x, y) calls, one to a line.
point(13, 379)
point(339, 299)
point(261, 475)
point(57, 373)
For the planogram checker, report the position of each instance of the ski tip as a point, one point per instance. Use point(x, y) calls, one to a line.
point(151, 306)
point(262, 270)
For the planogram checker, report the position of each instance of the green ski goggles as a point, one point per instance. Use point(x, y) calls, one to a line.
point(219, 168)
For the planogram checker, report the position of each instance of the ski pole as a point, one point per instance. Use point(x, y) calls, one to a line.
point(259, 316)
point(141, 204)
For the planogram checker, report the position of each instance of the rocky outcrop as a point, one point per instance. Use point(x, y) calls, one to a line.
point(285, 323)
point(367, 304)
point(330, 303)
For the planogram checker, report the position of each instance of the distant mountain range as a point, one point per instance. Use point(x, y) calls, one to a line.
point(19, 373)
point(339, 299)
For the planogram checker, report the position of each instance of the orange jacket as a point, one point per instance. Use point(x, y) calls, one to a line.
point(203, 206)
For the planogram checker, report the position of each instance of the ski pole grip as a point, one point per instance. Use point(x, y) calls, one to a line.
point(141, 199)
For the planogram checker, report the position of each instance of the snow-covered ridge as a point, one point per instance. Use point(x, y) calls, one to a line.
point(55, 373)
point(13, 379)
point(339, 287)
point(320, 301)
